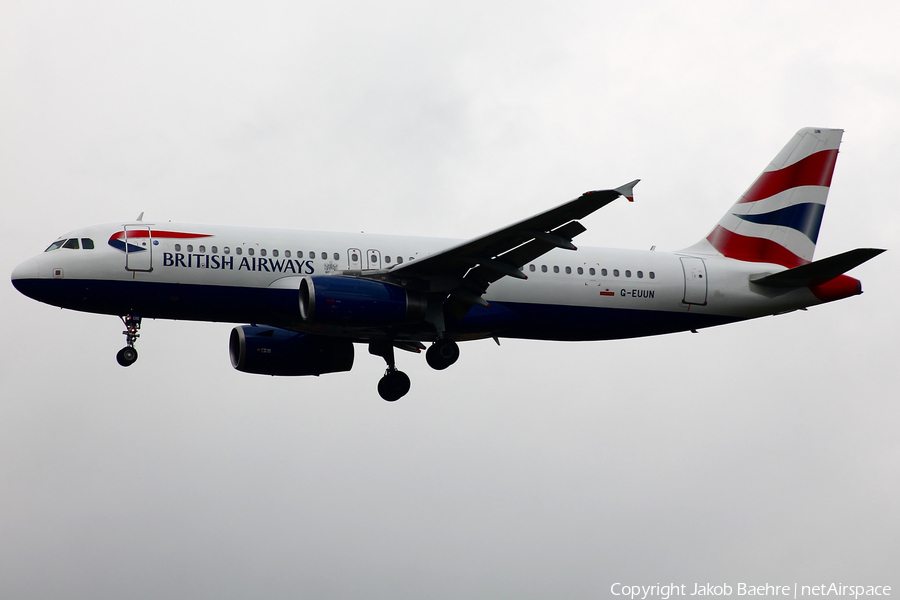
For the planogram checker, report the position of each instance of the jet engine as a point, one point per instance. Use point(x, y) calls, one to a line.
point(353, 301)
point(273, 351)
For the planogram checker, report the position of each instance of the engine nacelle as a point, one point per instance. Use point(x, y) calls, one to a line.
point(354, 301)
point(273, 351)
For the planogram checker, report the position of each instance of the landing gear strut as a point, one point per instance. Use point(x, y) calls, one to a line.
point(395, 384)
point(128, 355)
point(442, 354)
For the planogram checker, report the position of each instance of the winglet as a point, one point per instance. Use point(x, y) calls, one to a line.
point(627, 190)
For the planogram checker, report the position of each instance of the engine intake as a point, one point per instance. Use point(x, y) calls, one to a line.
point(353, 301)
point(273, 351)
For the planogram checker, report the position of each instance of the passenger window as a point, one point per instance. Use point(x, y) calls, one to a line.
point(190, 248)
point(531, 268)
point(652, 275)
point(87, 243)
point(615, 272)
point(215, 249)
point(251, 251)
point(324, 256)
point(226, 250)
point(55, 245)
point(580, 271)
point(262, 252)
point(177, 247)
point(604, 272)
point(555, 269)
point(640, 274)
point(238, 251)
point(312, 255)
point(387, 259)
point(543, 268)
point(568, 270)
point(336, 256)
point(354, 257)
point(412, 258)
point(399, 260)
point(627, 273)
point(592, 271)
point(275, 253)
point(287, 253)
point(202, 249)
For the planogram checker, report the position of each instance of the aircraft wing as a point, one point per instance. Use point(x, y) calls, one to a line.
point(466, 270)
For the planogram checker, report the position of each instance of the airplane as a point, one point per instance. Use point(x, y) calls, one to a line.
point(309, 296)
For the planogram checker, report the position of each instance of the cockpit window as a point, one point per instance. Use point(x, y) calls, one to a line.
point(87, 243)
point(55, 245)
point(71, 244)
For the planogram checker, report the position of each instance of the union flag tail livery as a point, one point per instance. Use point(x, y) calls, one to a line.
point(777, 219)
point(312, 296)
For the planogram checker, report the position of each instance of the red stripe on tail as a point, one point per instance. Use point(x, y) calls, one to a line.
point(815, 169)
point(752, 249)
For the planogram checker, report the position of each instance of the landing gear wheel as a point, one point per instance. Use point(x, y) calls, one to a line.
point(126, 356)
point(393, 386)
point(442, 354)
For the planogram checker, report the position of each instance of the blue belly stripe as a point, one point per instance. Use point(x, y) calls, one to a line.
point(280, 308)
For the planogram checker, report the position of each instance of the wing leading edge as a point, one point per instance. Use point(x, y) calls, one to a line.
point(461, 274)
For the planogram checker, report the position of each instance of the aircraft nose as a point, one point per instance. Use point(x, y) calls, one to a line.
point(26, 270)
point(30, 269)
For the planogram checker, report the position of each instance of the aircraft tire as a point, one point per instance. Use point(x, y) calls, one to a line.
point(127, 356)
point(393, 386)
point(442, 354)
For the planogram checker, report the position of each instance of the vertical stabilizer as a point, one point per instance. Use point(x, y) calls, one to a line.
point(777, 219)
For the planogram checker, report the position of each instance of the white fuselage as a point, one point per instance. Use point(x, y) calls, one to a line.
point(246, 274)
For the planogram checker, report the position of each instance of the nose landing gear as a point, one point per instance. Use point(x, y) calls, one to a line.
point(128, 355)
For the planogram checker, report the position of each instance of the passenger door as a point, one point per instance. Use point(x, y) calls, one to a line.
point(695, 285)
point(138, 248)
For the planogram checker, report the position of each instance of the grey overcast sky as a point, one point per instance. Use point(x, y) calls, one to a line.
point(759, 452)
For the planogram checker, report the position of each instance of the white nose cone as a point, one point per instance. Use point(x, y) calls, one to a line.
point(27, 270)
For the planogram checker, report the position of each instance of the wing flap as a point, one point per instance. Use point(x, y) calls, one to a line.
point(458, 276)
point(458, 259)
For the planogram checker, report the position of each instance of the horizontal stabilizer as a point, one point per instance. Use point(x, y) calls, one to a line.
point(820, 271)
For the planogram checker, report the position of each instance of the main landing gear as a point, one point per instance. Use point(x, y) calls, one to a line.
point(395, 384)
point(442, 354)
point(128, 355)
